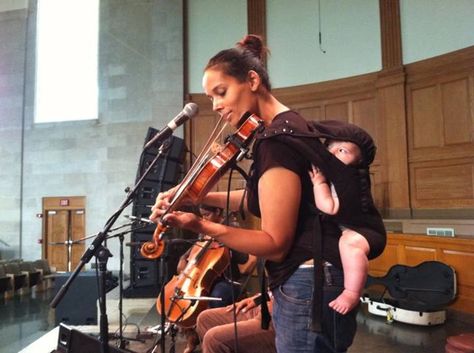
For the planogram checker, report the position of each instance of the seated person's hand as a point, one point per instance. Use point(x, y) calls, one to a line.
point(244, 305)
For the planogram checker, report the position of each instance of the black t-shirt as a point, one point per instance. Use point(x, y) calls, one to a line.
point(269, 153)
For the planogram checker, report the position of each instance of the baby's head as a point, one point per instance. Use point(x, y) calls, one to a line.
point(347, 152)
point(349, 135)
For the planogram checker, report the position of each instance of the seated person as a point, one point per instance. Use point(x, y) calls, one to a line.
point(215, 328)
point(227, 289)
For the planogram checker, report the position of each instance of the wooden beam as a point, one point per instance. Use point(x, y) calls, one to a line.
point(390, 34)
point(256, 17)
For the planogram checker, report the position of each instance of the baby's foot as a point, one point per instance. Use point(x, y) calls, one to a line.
point(345, 302)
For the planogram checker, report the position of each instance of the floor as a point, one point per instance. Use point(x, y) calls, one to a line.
point(23, 320)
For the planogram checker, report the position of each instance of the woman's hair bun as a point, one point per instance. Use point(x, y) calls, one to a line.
point(254, 44)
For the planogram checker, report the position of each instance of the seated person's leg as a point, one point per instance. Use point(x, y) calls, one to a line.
point(216, 329)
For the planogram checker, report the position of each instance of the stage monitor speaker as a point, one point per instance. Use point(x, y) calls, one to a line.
point(176, 151)
point(148, 190)
point(78, 306)
point(165, 170)
point(74, 341)
point(144, 273)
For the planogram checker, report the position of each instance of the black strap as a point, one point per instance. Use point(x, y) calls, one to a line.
point(241, 205)
point(265, 323)
point(317, 302)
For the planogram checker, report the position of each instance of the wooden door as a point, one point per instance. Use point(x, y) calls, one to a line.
point(63, 231)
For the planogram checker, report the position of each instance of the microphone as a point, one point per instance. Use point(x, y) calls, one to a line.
point(138, 219)
point(189, 111)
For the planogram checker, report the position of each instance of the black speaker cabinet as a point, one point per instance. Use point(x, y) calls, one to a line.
point(176, 150)
point(74, 341)
point(78, 306)
point(165, 170)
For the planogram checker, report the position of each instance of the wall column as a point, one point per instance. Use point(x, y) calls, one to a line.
point(390, 92)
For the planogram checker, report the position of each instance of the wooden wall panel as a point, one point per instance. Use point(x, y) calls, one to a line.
point(337, 111)
point(427, 120)
point(418, 254)
point(379, 265)
point(462, 262)
point(311, 113)
point(364, 113)
point(455, 104)
point(440, 120)
point(412, 249)
point(440, 114)
point(443, 184)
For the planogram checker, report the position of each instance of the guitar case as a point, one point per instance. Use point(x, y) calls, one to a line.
point(417, 294)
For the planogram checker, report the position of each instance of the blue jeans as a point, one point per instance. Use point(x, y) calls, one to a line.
point(292, 315)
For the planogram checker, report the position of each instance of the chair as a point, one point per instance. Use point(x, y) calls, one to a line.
point(20, 280)
point(6, 282)
point(47, 274)
point(34, 275)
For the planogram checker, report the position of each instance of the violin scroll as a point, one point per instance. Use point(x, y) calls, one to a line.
point(154, 248)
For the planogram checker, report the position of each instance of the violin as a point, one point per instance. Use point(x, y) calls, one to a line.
point(203, 176)
point(206, 262)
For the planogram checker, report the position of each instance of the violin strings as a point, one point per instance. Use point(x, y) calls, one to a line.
point(215, 134)
point(204, 156)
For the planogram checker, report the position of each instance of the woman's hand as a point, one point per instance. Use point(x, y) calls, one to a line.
point(184, 220)
point(162, 203)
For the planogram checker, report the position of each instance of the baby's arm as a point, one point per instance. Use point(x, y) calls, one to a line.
point(324, 199)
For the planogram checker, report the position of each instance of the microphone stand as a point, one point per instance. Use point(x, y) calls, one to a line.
point(162, 278)
point(122, 341)
point(102, 254)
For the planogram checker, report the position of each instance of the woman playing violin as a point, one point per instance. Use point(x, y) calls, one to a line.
point(279, 191)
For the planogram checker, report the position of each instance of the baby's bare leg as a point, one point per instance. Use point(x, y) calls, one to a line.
point(354, 249)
